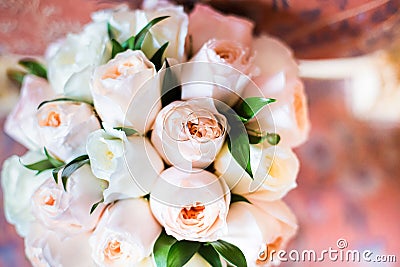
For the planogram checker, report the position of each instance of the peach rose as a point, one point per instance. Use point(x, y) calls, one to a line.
point(259, 228)
point(189, 133)
point(46, 248)
point(64, 127)
point(226, 75)
point(21, 124)
point(125, 235)
point(274, 169)
point(289, 115)
point(69, 211)
point(120, 88)
point(191, 206)
point(206, 23)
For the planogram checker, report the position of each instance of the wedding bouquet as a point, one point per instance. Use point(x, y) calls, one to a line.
point(156, 138)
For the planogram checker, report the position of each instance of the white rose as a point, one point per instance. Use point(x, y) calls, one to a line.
point(46, 248)
point(172, 29)
point(21, 124)
point(274, 170)
point(125, 235)
point(259, 228)
point(78, 85)
point(120, 88)
point(225, 75)
point(18, 184)
point(77, 52)
point(69, 211)
point(189, 133)
point(191, 206)
point(64, 127)
point(288, 116)
point(124, 162)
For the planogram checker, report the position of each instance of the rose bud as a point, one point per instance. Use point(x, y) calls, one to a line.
point(224, 79)
point(21, 123)
point(191, 205)
point(64, 127)
point(120, 88)
point(125, 235)
point(189, 134)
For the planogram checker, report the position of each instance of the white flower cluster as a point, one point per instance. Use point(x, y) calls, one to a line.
point(154, 168)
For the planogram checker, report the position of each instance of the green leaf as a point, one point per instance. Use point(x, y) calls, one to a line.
point(16, 76)
point(71, 167)
point(40, 165)
point(181, 252)
point(33, 67)
point(128, 131)
point(95, 205)
point(238, 198)
point(55, 162)
point(239, 147)
point(129, 43)
point(210, 255)
point(116, 48)
point(171, 90)
point(251, 106)
point(55, 172)
point(230, 253)
point(112, 32)
point(161, 249)
point(254, 139)
point(273, 138)
point(237, 139)
point(63, 99)
point(139, 38)
point(157, 58)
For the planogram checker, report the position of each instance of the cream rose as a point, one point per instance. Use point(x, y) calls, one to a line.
point(189, 134)
point(259, 228)
point(125, 235)
point(129, 164)
point(64, 127)
point(19, 184)
point(69, 211)
point(274, 169)
point(46, 248)
point(77, 52)
point(21, 124)
point(224, 77)
point(120, 88)
point(191, 206)
point(289, 115)
point(205, 23)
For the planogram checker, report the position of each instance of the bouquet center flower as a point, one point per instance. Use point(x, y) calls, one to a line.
point(204, 128)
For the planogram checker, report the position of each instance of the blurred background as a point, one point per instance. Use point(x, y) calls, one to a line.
point(349, 58)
